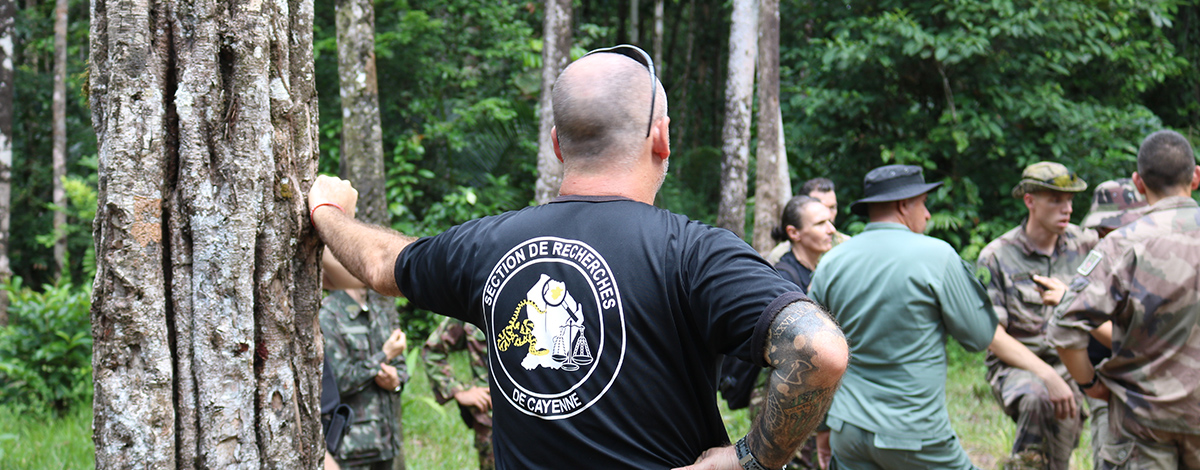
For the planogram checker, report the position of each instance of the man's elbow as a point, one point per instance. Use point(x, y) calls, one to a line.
point(808, 338)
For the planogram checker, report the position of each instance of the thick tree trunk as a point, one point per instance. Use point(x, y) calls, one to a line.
point(556, 53)
point(58, 149)
point(735, 134)
point(206, 351)
point(660, 65)
point(8, 10)
point(772, 188)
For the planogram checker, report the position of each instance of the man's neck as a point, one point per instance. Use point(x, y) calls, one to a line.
point(605, 185)
point(1042, 240)
point(808, 260)
point(1152, 197)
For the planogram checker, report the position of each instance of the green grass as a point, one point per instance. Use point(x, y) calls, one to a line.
point(435, 438)
point(46, 442)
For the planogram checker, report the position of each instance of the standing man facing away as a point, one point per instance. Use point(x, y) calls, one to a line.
point(606, 316)
point(1025, 272)
point(820, 189)
point(1143, 277)
point(897, 295)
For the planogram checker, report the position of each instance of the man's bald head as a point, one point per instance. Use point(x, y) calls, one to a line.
point(602, 110)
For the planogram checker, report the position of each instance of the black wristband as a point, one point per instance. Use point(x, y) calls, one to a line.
point(745, 458)
point(1085, 386)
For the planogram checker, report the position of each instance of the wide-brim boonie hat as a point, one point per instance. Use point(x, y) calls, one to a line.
point(892, 183)
point(1114, 204)
point(1048, 175)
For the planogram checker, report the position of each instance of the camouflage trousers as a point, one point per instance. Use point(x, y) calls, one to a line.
point(1132, 446)
point(1100, 432)
point(1042, 441)
point(481, 423)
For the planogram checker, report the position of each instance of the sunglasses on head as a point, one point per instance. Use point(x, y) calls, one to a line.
point(637, 54)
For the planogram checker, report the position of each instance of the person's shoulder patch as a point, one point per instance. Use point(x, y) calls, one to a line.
point(1089, 263)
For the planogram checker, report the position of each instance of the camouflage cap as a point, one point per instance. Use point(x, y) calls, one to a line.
point(1048, 175)
point(1114, 204)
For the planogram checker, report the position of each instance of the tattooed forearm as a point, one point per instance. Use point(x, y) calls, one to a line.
point(809, 355)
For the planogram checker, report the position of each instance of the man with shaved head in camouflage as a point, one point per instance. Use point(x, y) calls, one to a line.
point(1143, 277)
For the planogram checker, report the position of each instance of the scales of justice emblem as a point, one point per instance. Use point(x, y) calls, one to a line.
point(558, 327)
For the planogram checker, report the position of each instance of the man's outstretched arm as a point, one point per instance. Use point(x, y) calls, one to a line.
point(808, 355)
point(367, 251)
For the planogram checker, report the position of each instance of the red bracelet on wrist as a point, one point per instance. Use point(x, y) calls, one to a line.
point(313, 212)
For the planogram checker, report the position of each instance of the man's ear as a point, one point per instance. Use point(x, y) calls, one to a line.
point(554, 138)
point(661, 135)
point(1139, 184)
point(1196, 177)
point(1028, 200)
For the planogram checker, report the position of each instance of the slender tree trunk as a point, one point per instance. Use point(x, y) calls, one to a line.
point(58, 150)
point(556, 53)
point(772, 187)
point(8, 10)
point(204, 311)
point(362, 141)
point(660, 65)
point(635, 24)
point(735, 134)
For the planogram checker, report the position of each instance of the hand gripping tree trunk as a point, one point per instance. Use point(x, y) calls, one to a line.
point(772, 187)
point(735, 134)
point(206, 353)
point(8, 10)
point(556, 53)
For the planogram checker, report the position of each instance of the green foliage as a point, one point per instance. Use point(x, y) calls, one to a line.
point(33, 441)
point(46, 349)
point(80, 210)
point(973, 91)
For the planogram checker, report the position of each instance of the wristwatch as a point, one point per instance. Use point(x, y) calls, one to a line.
point(745, 458)
point(1085, 386)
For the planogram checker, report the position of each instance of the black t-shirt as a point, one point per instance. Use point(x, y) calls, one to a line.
point(791, 269)
point(606, 319)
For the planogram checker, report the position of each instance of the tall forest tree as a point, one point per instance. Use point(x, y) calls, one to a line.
point(206, 353)
point(59, 146)
point(556, 53)
point(362, 136)
point(735, 133)
point(772, 188)
point(660, 65)
point(8, 9)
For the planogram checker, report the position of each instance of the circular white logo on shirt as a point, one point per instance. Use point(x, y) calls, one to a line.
point(550, 305)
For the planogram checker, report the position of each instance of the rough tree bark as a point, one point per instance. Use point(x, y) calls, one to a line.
point(8, 10)
point(735, 133)
point(660, 65)
point(772, 187)
point(204, 311)
point(556, 53)
point(58, 149)
point(362, 138)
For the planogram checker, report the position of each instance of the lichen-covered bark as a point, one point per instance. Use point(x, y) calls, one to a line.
point(8, 10)
point(735, 133)
point(772, 188)
point(207, 135)
point(556, 52)
point(362, 137)
point(58, 148)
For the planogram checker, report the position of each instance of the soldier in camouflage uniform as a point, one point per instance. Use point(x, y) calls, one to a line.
point(1143, 277)
point(1115, 203)
point(472, 394)
point(370, 369)
point(1025, 272)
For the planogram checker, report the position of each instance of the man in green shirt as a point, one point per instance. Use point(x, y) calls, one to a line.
point(898, 294)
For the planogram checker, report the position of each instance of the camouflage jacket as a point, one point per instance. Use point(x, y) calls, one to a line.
point(354, 338)
point(1143, 277)
point(1005, 268)
point(450, 336)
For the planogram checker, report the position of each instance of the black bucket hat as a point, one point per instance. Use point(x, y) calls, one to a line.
point(892, 183)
